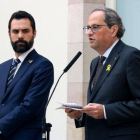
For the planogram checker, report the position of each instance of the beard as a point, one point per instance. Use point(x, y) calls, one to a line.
point(21, 48)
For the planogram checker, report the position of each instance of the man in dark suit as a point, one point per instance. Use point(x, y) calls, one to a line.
point(25, 83)
point(113, 110)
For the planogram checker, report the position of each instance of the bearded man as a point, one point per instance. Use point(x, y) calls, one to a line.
point(25, 83)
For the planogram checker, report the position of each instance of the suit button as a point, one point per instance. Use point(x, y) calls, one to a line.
point(3, 105)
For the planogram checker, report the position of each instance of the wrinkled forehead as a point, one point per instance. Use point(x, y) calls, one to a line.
point(97, 17)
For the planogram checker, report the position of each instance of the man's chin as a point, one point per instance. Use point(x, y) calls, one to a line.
point(21, 50)
point(92, 46)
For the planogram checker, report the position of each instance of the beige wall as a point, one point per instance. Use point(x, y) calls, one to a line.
point(111, 4)
point(51, 41)
point(78, 76)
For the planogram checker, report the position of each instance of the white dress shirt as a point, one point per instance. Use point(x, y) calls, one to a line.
point(21, 58)
point(106, 54)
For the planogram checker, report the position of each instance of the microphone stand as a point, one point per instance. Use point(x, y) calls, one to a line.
point(46, 127)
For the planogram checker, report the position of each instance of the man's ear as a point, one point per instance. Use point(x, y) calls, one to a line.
point(34, 33)
point(114, 30)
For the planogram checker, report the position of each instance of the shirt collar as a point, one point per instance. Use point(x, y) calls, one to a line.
point(23, 56)
point(106, 54)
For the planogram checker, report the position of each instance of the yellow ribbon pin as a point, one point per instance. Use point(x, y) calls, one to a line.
point(108, 68)
point(30, 61)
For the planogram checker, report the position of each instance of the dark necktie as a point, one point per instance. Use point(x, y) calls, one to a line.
point(12, 71)
point(99, 68)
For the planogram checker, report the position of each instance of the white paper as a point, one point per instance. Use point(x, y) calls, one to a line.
point(73, 106)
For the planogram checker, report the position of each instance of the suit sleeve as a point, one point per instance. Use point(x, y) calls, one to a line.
point(33, 102)
point(80, 122)
point(122, 112)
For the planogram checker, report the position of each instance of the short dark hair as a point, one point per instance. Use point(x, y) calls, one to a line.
point(20, 15)
point(112, 18)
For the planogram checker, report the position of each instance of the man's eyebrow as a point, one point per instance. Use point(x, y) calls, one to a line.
point(15, 30)
point(25, 29)
point(87, 26)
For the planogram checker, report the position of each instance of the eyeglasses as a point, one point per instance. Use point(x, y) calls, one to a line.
point(94, 28)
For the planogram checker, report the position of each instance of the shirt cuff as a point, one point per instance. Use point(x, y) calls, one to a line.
point(104, 112)
point(80, 119)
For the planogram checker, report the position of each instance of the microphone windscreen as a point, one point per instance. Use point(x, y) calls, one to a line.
point(72, 61)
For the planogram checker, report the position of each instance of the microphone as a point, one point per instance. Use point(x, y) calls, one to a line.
point(72, 61)
point(47, 126)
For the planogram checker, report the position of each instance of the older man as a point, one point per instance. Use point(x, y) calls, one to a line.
point(113, 109)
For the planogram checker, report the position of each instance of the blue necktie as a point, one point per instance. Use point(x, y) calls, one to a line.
point(12, 71)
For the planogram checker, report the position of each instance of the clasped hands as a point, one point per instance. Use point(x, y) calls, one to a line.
point(92, 109)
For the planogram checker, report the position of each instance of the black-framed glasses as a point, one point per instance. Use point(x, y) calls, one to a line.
point(94, 28)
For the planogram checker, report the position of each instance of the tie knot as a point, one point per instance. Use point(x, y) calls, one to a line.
point(16, 61)
point(102, 59)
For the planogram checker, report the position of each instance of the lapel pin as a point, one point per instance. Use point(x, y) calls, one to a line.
point(108, 68)
point(115, 58)
point(30, 61)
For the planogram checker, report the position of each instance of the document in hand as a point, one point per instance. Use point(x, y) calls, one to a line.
point(73, 106)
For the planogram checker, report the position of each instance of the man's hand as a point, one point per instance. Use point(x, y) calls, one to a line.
point(73, 114)
point(94, 110)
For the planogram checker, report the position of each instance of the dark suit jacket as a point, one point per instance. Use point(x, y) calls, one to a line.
point(118, 88)
point(22, 105)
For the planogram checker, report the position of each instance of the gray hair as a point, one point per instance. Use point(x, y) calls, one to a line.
point(112, 18)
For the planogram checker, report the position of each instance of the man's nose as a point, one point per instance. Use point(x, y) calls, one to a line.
point(89, 32)
point(20, 35)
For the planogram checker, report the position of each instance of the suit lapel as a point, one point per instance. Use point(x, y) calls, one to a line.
point(107, 68)
point(29, 60)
